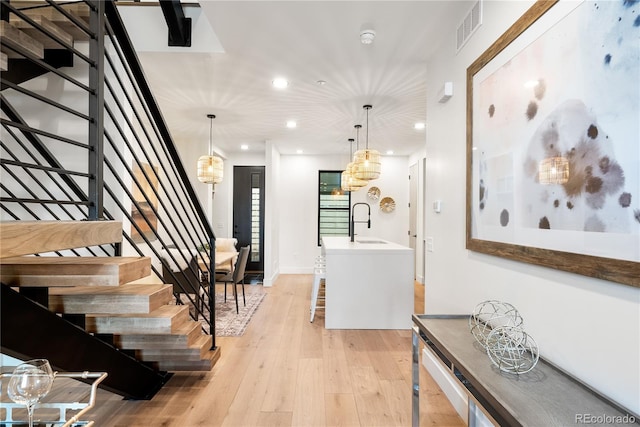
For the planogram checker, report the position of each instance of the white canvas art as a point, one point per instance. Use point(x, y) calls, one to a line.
point(569, 89)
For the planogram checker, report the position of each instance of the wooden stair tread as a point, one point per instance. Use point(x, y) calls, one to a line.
point(73, 271)
point(78, 9)
point(205, 364)
point(168, 311)
point(126, 289)
point(183, 336)
point(32, 237)
point(127, 298)
point(14, 37)
point(164, 320)
point(43, 38)
point(194, 352)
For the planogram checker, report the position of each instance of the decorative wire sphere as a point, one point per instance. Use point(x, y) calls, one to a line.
point(492, 314)
point(512, 350)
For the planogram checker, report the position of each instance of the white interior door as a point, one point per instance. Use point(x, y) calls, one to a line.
point(413, 212)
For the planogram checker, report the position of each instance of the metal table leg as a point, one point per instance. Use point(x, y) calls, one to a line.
point(415, 399)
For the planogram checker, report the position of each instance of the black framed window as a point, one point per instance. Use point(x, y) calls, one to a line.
point(333, 205)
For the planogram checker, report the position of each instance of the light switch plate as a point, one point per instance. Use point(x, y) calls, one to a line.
point(429, 244)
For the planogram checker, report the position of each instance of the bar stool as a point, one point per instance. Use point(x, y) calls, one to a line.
point(317, 297)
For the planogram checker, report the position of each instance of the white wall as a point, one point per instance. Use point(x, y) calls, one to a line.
point(272, 215)
point(588, 327)
point(298, 204)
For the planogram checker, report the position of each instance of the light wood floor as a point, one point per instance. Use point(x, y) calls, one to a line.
point(286, 371)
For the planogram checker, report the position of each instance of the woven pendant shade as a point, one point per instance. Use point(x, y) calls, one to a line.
point(366, 162)
point(210, 168)
point(553, 170)
point(349, 182)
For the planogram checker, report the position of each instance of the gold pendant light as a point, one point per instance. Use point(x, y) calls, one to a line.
point(348, 181)
point(210, 167)
point(553, 170)
point(366, 162)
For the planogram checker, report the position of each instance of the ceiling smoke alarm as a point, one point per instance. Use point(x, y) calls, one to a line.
point(367, 36)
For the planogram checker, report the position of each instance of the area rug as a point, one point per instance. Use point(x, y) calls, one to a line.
point(230, 324)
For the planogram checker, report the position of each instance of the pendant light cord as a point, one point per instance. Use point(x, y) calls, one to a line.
point(211, 117)
point(367, 128)
point(210, 136)
point(367, 108)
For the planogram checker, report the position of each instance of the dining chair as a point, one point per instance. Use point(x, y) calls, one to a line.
point(180, 269)
point(237, 276)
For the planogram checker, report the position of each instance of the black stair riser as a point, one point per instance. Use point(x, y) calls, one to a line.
point(29, 330)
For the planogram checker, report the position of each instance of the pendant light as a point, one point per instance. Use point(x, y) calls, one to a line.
point(553, 170)
point(366, 162)
point(210, 167)
point(348, 182)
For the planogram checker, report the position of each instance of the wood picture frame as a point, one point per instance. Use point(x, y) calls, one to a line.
point(555, 87)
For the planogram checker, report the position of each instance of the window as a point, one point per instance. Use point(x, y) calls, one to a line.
point(333, 205)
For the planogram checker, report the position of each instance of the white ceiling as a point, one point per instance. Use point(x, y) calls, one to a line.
point(253, 42)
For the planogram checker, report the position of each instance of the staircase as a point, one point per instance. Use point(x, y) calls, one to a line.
point(69, 152)
point(140, 320)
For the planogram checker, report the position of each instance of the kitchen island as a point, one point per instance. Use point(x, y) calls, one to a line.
point(369, 284)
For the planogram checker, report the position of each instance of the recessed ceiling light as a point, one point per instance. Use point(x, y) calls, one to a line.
point(419, 125)
point(280, 83)
point(321, 82)
point(291, 124)
point(389, 152)
point(298, 151)
point(244, 147)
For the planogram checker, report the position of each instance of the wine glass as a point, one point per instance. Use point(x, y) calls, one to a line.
point(30, 382)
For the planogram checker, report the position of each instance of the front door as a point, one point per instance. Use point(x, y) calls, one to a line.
point(248, 212)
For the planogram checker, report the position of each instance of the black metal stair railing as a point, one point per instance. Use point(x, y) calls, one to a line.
point(89, 142)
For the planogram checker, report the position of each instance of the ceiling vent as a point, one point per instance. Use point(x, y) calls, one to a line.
point(470, 23)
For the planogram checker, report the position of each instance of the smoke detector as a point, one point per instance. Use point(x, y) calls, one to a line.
point(367, 36)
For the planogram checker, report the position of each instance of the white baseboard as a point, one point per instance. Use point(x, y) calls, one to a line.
point(269, 281)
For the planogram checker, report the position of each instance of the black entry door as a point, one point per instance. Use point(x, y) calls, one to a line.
point(248, 212)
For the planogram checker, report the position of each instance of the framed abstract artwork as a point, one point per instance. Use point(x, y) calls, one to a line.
point(146, 210)
point(553, 141)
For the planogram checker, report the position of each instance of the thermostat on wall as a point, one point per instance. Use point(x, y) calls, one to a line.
point(445, 92)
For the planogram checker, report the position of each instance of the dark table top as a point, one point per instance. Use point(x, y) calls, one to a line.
point(545, 396)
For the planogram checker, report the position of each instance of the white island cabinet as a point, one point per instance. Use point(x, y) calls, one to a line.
point(369, 284)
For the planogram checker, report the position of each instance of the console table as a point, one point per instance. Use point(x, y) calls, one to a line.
point(545, 396)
